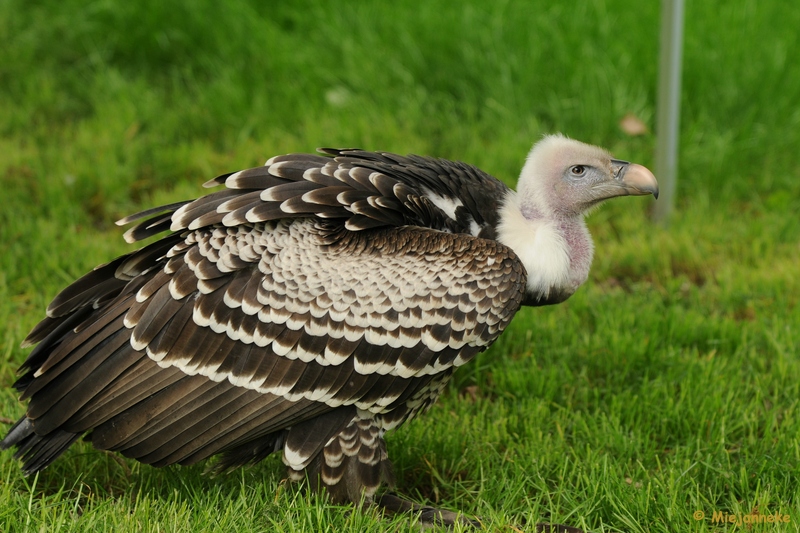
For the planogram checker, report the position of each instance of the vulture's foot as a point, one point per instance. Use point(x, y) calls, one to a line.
point(430, 516)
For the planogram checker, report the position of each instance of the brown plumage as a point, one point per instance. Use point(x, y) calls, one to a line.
point(309, 307)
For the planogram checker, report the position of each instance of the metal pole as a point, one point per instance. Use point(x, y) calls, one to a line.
point(668, 112)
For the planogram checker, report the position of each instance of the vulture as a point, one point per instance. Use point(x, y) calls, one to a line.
point(307, 308)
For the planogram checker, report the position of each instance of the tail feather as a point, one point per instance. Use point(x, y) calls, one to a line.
point(36, 451)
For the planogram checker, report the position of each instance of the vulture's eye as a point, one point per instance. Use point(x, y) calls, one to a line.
point(577, 170)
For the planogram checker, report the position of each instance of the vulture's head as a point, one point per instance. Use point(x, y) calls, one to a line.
point(543, 221)
point(564, 178)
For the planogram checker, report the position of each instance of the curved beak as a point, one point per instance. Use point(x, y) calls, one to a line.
point(635, 179)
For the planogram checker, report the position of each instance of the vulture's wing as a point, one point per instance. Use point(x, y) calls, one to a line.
point(219, 337)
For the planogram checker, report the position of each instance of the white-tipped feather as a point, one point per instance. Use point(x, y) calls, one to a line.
point(448, 205)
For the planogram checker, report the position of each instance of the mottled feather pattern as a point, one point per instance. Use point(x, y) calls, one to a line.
point(426, 297)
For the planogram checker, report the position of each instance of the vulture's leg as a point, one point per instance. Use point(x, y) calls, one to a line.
point(353, 464)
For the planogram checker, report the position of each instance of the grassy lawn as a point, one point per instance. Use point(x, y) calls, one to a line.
point(668, 385)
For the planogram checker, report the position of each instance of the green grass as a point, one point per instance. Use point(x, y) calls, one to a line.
point(667, 385)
